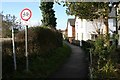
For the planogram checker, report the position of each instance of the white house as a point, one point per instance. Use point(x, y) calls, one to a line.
point(86, 29)
point(70, 30)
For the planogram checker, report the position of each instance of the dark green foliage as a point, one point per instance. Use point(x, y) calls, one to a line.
point(103, 58)
point(7, 24)
point(76, 42)
point(116, 56)
point(66, 39)
point(48, 14)
point(41, 66)
point(87, 10)
point(7, 48)
point(86, 45)
point(48, 37)
point(43, 39)
point(59, 39)
point(47, 64)
point(6, 33)
point(7, 57)
point(46, 53)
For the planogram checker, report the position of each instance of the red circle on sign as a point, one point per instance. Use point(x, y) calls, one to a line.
point(28, 17)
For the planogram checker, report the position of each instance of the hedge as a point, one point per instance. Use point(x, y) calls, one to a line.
point(41, 41)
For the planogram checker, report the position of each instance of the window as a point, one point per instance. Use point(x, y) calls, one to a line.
point(93, 36)
point(77, 36)
point(82, 36)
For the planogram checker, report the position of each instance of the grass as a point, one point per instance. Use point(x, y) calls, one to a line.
point(42, 66)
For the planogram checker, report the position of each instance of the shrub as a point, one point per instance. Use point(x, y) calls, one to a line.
point(86, 46)
point(76, 42)
point(41, 42)
point(103, 65)
point(44, 38)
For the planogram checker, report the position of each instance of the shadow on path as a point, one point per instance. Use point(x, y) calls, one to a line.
point(76, 65)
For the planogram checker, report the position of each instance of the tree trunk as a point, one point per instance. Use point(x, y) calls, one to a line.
point(106, 25)
point(106, 31)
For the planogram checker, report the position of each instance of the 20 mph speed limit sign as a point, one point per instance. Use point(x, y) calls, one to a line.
point(26, 14)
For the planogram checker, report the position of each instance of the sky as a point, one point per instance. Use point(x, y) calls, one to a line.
point(14, 8)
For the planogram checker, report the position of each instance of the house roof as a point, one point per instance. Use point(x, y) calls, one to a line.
point(72, 22)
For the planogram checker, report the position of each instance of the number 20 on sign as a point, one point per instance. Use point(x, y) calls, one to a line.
point(26, 14)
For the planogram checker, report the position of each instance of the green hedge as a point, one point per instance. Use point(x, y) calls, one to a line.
point(42, 38)
point(39, 66)
point(41, 42)
point(86, 45)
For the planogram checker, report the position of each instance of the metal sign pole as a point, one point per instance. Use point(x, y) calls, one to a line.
point(26, 45)
point(14, 55)
point(26, 15)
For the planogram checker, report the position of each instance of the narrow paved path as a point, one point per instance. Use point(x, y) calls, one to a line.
point(75, 66)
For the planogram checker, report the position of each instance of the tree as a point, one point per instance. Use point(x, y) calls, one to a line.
point(7, 24)
point(118, 15)
point(97, 24)
point(89, 10)
point(48, 14)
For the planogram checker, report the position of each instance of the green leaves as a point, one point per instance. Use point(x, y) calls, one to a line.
point(48, 14)
point(87, 10)
point(7, 23)
point(103, 64)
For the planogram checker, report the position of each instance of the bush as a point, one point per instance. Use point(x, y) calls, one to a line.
point(76, 42)
point(67, 39)
point(102, 63)
point(7, 56)
point(41, 42)
point(44, 38)
point(40, 66)
point(86, 46)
